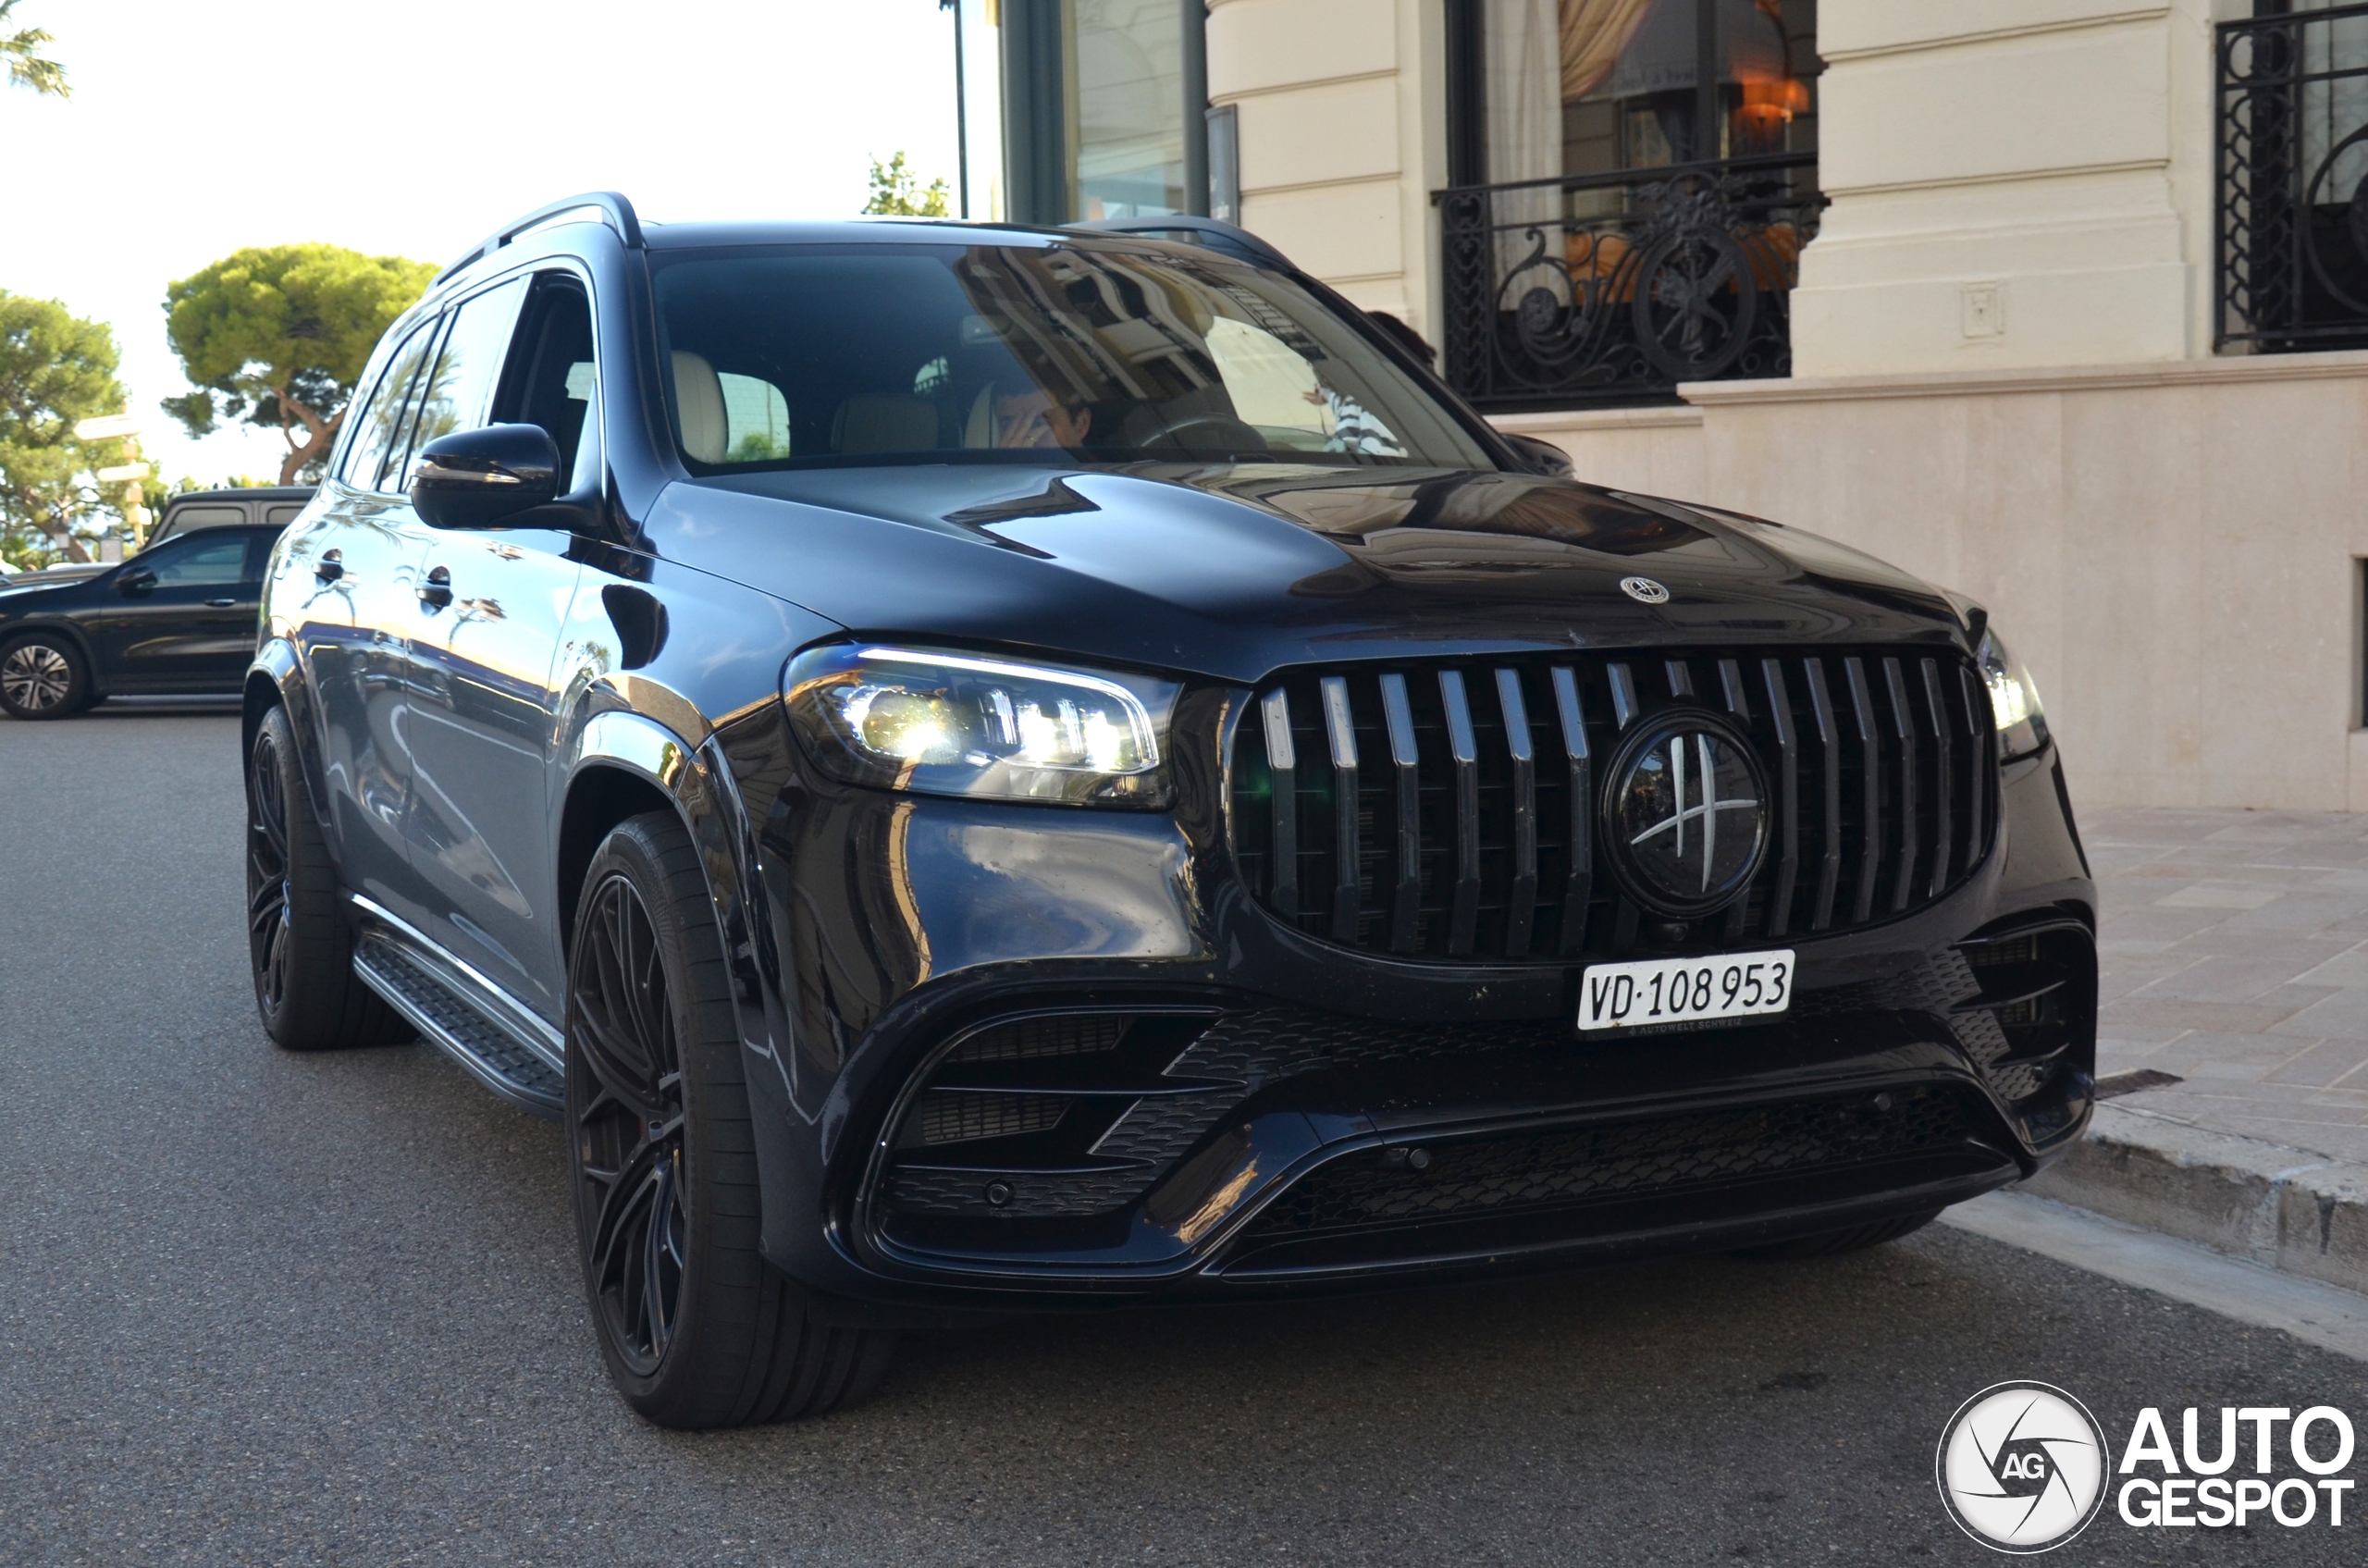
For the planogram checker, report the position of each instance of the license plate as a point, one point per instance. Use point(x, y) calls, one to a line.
point(1667, 990)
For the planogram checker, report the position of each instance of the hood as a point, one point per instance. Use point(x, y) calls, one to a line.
point(1235, 570)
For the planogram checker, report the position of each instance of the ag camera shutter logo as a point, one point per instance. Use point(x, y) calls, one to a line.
point(2022, 1467)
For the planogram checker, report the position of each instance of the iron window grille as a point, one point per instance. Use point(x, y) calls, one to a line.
point(2292, 197)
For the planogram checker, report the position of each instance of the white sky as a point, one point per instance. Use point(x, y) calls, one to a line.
point(415, 128)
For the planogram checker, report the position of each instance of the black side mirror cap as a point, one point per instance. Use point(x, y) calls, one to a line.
point(135, 581)
point(482, 478)
point(1540, 457)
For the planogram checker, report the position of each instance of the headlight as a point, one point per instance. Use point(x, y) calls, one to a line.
point(948, 724)
point(2013, 700)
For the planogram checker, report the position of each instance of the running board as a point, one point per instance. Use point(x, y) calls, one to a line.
point(503, 1055)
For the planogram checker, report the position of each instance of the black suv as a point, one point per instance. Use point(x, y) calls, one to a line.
point(984, 769)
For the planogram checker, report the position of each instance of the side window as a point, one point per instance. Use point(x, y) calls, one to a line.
point(755, 418)
point(380, 440)
point(551, 380)
point(280, 516)
point(188, 518)
point(459, 391)
point(215, 559)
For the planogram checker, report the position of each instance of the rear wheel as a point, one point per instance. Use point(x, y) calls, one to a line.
point(1853, 1239)
point(42, 676)
point(697, 1329)
point(299, 948)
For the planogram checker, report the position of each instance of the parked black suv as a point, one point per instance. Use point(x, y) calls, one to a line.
point(178, 617)
point(979, 768)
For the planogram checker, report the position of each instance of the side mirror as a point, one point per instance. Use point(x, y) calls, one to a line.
point(1540, 457)
point(133, 584)
point(482, 478)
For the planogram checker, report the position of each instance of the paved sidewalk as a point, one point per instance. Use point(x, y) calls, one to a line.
point(2234, 956)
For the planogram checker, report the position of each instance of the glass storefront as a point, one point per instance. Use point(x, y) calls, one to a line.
point(1105, 109)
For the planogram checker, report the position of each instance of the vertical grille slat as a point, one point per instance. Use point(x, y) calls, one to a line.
point(1521, 901)
point(1281, 765)
point(1828, 734)
point(1340, 731)
point(1578, 881)
point(1464, 752)
point(1788, 798)
point(1623, 694)
point(1406, 888)
point(1943, 781)
point(1870, 781)
point(1449, 808)
point(1977, 803)
point(1903, 727)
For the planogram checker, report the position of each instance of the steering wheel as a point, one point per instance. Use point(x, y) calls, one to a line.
point(1228, 434)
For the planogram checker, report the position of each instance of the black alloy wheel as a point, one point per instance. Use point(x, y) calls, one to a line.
point(43, 677)
point(697, 1329)
point(630, 1127)
point(299, 948)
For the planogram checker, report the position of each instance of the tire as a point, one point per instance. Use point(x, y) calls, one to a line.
point(1856, 1239)
point(299, 948)
point(43, 676)
point(697, 1329)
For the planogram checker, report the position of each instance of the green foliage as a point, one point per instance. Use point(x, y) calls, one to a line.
point(277, 335)
point(56, 369)
point(27, 67)
point(897, 192)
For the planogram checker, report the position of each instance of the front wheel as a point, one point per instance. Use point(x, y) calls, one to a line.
point(42, 676)
point(697, 1329)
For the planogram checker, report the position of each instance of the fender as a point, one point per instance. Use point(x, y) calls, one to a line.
point(696, 779)
point(277, 662)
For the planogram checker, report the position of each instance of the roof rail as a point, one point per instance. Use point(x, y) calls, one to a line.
point(615, 209)
point(1208, 232)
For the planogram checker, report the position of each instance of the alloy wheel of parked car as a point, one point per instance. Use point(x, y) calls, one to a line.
point(698, 1328)
point(299, 946)
point(42, 678)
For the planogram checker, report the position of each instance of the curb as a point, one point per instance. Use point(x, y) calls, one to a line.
point(2290, 1209)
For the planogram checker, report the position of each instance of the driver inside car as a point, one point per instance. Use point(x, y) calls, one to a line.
point(1035, 418)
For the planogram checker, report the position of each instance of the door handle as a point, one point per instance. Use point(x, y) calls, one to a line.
point(437, 592)
point(220, 603)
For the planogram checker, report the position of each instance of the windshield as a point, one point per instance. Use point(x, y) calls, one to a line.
point(786, 357)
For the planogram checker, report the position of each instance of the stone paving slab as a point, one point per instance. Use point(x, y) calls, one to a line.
point(2234, 953)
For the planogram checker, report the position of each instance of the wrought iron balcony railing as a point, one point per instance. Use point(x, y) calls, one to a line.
point(1612, 289)
point(2293, 181)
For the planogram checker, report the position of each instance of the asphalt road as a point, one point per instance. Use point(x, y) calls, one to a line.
point(263, 1308)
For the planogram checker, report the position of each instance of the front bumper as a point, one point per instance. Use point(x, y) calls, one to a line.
point(1338, 1119)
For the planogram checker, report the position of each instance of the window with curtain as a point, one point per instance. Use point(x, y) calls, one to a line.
point(1580, 87)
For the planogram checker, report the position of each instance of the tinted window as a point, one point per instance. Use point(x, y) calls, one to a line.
point(458, 393)
point(206, 560)
point(378, 443)
point(1105, 352)
point(280, 516)
point(552, 380)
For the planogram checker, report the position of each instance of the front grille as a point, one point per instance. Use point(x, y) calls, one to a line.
point(1524, 1171)
point(1472, 830)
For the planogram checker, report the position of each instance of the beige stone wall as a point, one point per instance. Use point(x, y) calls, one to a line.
point(2173, 548)
point(1343, 137)
point(2014, 183)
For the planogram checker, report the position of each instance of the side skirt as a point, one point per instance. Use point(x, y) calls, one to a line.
point(507, 1048)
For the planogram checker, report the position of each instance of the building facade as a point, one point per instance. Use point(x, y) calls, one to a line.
point(2060, 302)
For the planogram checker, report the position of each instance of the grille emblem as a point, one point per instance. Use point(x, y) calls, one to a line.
point(1687, 814)
point(1644, 590)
